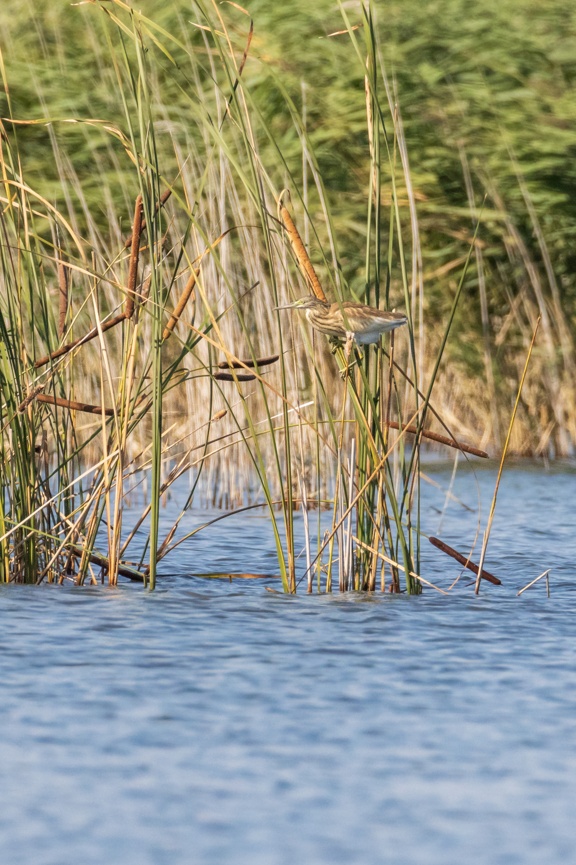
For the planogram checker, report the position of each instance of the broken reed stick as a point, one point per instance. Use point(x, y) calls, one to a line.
point(463, 560)
point(302, 257)
point(179, 308)
point(545, 575)
point(426, 433)
point(163, 199)
point(240, 364)
point(80, 341)
point(134, 256)
point(62, 295)
point(73, 405)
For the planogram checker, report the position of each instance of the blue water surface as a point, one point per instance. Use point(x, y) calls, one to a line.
point(216, 722)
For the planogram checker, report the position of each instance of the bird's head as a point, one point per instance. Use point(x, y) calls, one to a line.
point(308, 302)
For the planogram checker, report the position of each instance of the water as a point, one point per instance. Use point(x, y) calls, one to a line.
point(215, 722)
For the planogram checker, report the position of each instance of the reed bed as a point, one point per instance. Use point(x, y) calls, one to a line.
point(148, 345)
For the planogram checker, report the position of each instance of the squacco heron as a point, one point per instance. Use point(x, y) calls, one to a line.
point(348, 320)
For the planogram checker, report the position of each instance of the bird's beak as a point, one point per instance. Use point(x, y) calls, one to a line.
point(285, 306)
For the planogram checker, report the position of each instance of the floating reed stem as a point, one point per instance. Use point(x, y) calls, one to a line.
point(463, 560)
point(302, 256)
point(426, 433)
point(394, 586)
point(225, 575)
point(102, 561)
point(80, 341)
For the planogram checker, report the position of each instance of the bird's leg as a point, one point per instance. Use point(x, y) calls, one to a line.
point(348, 344)
point(347, 350)
point(350, 340)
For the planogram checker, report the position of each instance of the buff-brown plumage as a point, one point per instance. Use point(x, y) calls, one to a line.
point(365, 324)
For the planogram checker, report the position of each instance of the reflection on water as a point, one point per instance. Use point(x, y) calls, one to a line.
point(215, 722)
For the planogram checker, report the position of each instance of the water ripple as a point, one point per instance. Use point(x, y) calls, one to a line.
point(215, 722)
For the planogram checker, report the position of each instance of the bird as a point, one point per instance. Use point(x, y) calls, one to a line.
point(347, 320)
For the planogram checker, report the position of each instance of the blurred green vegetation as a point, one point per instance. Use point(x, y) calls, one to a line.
point(486, 97)
point(495, 82)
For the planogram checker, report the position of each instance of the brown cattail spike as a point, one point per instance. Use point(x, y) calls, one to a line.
point(240, 364)
point(302, 256)
point(229, 376)
point(185, 297)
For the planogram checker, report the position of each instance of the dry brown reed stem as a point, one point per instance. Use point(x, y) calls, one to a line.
point(134, 256)
point(62, 295)
point(426, 433)
point(485, 575)
point(163, 199)
point(72, 405)
point(239, 364)
point(80, 341)
point(302, 257)
point(179, 309)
